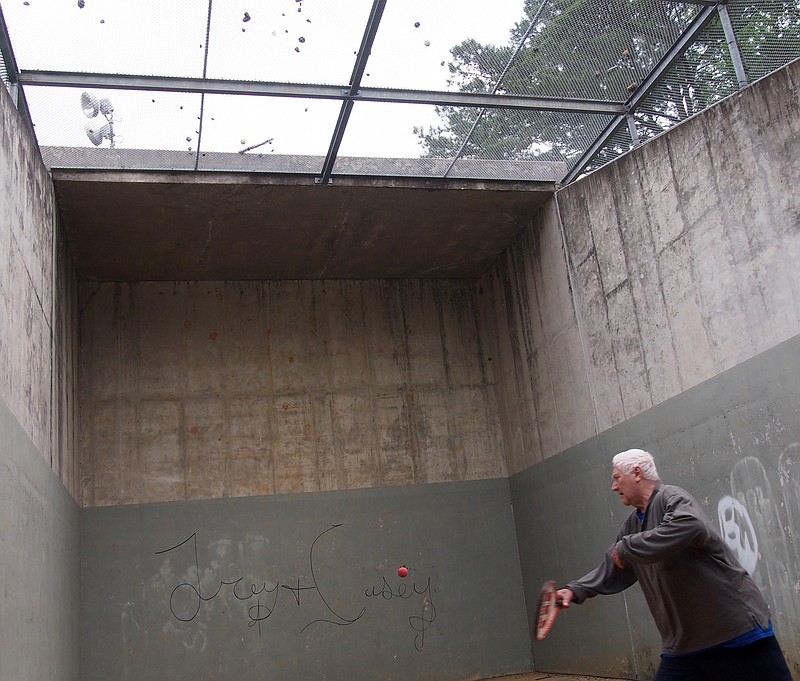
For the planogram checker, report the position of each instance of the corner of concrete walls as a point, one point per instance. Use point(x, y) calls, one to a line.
point(655, 303)
point(37, 347)
point(650, 275)
point(531, 339)
point(40, 604)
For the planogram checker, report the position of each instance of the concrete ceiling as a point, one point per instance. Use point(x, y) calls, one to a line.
point(151, 226)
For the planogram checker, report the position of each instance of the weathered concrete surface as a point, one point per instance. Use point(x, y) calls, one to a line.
point(733, 442)
point(27, 219)
point(38, 292)
point(39, 564)
point(203, 390)
point(39, 599)
point(140, 226)
point(682, 262)
point(311, 587)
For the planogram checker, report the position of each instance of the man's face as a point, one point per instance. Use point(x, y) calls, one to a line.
point(626, 485)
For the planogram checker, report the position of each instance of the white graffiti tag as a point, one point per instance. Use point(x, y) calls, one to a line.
point(738, 531)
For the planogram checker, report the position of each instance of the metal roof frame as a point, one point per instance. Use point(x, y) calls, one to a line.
point(677, 50)
point(620, 112)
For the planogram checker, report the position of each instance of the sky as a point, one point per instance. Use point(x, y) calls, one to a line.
point(309, 42)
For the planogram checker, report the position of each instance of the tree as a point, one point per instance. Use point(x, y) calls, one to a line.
point(600, 50)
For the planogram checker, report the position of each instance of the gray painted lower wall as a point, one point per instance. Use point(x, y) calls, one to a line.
point(305, 586)
point(39, 564)
point(734, 442)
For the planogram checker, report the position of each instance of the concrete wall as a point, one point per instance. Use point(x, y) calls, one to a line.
point(601, 324)
point(219, 390)
point(37, 301)
point(305, 586)
point(39, 616)
point(733, 441)
point(657, 272)
point(266, 413)
point(611, 324)
point(40, 602)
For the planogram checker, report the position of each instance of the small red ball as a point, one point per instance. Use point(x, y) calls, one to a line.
point(402, 571)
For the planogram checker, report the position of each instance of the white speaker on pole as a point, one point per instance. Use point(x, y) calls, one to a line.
point(89, 105)
point(97, 132)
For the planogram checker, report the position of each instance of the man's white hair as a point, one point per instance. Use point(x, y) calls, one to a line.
point(630, 458)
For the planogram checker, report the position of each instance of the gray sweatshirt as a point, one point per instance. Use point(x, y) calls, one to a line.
point(698, 593)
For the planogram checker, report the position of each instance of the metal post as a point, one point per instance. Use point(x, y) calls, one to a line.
point(13, 90)
point(733, 45)
point(371, 30)
point(634, 133)
point(675, 52)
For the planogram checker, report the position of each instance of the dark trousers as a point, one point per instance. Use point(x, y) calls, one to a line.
point(759, 661)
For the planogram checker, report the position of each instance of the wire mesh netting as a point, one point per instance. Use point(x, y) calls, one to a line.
point(4, 71)
point(618, 142)
point(560, 77)
point(767, 34)
point(594, 49)
point(702, 76)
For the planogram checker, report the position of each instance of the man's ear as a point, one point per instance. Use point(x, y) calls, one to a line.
point(637, 472)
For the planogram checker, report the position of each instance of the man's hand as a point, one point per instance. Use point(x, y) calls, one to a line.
point(617, 560)
point(564, 597)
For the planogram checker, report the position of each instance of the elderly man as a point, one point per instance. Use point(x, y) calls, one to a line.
point(714, 622)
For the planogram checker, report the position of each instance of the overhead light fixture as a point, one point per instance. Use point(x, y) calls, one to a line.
point(98, 131)
point(89, 105)
point(106, 108)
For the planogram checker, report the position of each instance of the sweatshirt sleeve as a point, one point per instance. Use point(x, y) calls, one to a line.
point(606, 578)
point(682, 525)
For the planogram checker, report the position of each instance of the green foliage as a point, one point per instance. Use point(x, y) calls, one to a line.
point(600, 50)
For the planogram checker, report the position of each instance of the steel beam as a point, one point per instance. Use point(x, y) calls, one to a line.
point(373, 23)
point(337, 92)
point(733, 46)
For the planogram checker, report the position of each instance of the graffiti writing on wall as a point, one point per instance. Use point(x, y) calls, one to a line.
point(738, 531)
point(419, 623)
point(761, 527)
point(262, 598)
point(752, 497)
